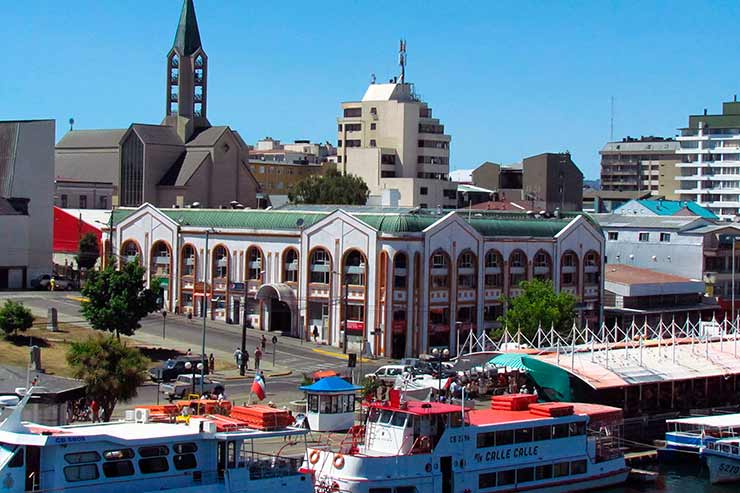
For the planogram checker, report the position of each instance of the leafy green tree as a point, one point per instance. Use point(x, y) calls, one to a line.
point(331, 188)
point(116, 300)
point(539, 305)
point(14, 317)
point(89, 251)
point(111, 370)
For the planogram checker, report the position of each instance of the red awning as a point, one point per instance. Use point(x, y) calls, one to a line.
point(68, 230)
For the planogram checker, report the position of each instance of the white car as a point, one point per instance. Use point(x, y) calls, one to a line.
point(388, 373)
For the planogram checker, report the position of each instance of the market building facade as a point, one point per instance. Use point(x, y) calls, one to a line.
point(395, 282)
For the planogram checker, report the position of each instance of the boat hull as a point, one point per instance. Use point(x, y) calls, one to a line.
point(723, 469)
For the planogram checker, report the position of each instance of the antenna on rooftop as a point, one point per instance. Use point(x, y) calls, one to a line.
point(611, 122)
point(372, 78)
point(71, 124)
point(402, 59)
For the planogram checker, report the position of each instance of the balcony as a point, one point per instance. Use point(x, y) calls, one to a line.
point(465, 294)
point(493, 293)
point(318, 290)
point(439, 296)
point(591, 292)
point(569, 289)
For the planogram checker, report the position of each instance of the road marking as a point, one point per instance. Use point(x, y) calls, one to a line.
point(77, 298)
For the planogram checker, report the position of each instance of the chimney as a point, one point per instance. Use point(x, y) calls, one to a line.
point(705, 111)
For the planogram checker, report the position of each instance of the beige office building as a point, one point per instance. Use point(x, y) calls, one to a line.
point(391, 141)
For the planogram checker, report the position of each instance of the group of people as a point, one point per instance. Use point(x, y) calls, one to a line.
point(83, 409)
point(259, 350)
point(491, 381)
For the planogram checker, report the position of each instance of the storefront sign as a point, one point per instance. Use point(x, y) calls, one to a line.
point(355, 327)
point(399, 325)
point(237, 286)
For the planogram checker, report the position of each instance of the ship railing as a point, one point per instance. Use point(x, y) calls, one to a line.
point(726, 448)
point(353, 440)
point(262, 466)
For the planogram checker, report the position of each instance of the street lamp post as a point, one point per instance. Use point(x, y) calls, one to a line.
point(734, 238)
point(199, 366)
point(206, 267)
point(439, 355)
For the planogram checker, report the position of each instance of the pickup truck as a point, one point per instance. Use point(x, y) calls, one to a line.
point(183, 386)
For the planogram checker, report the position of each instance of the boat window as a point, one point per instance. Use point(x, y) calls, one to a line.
point(80, 457)
point(561, 469)
point(523, 435)
point(313, 403)
point(185, 448)
point(406, 489)
point(385, 416)
point(456, 420)
point(505, 437)
point(124, 453)
point(374, 415)
point(85, 472)
point(185, 461)
point(155, 451)
point(153, 465)
point(487, 480)
point(118, 468)
point(231, 454)
point(525, 475)
point(578, 428)
point(541, 433)
point(578, 467)
point(17, 460)
point(410, 422)
point(505, 477)
point(559, 431)
point(543, 472)
point(487, 439)
point(399, 419)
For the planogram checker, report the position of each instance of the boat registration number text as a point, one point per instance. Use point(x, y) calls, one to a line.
point(732, 469)
point(510, 453)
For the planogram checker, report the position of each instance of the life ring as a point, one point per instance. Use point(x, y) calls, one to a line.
point(313, 457)
point(338, 461)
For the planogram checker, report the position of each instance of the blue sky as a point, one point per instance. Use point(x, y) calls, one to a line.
point(508, 79)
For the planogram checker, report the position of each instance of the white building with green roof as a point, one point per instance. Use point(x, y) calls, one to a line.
point(405, 280)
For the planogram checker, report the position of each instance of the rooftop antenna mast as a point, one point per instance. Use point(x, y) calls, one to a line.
point(611, 121)
point(402, 59)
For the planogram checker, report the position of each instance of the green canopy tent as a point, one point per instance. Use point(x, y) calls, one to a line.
point(554, 381)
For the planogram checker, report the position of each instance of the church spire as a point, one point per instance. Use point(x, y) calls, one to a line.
point(187, 37)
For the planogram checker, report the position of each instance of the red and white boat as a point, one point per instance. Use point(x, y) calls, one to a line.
point(517, 445)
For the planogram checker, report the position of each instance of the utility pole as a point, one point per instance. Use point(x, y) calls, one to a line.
point(242, 363)
point(344, 310)
point(206, 266)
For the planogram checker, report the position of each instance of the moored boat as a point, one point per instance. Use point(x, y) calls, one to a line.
point(723, 460)
point(517, 445)
point(685, 436)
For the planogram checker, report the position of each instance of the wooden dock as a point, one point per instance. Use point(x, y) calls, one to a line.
point(641, 457)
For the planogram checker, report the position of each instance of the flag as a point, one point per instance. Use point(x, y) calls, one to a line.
point(258, 386)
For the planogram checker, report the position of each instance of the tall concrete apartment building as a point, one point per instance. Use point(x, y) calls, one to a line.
point(391, 141)
point(644, 164)
point(710, 171)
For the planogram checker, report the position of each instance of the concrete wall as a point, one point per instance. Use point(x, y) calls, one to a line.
point(487, 176)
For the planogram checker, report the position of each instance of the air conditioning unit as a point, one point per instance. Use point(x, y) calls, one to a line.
point(130, 416)
point(141, 415)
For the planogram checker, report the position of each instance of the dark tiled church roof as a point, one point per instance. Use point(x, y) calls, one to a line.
point(187, 37)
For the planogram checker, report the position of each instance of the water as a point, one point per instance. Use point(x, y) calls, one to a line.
point(684, 478)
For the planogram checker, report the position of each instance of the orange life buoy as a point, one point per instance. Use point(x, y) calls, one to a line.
point(338, 461)
point(313, 457)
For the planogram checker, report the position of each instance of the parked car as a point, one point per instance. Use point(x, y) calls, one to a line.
point(181, 387)
point(60, 283)
point(387, 374)
point(173, 368)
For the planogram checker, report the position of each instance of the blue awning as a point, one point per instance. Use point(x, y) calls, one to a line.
point(331, 384)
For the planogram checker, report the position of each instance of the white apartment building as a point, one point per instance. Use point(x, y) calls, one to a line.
point(710, 171)
point(391, 141)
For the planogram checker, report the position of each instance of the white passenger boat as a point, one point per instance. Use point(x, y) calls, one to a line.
point(144, 456)
point(430, 447)
point(723, 460)
point(685, 436)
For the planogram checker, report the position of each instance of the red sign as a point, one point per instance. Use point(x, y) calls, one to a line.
point(355, 327)
point(399, 325)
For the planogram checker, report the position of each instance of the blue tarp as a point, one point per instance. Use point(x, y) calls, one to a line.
point(330, 384)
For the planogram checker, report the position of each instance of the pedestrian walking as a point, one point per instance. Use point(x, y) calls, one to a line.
point(257, 357)
point(263, 342)
point(52, 283)
point(315, 334)
point(246, 359)
point(238, 357)
point(95, 411)
point(212, 363)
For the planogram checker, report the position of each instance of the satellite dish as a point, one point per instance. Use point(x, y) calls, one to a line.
point(299, 222)
point(71, 123)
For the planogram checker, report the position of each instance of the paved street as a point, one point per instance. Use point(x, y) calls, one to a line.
point(292, 360)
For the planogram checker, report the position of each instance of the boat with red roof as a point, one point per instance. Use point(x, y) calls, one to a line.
point(516, 445)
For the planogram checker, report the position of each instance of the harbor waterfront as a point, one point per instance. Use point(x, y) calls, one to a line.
point(687, 478)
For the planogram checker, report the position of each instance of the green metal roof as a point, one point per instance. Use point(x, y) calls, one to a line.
point(187, 37)
point(488, 224)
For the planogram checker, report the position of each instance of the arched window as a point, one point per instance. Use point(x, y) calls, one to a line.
point(494, 263)
point(467, 270)
point(187, 266)
point(591, 269)
point(130, 251)
point(542, 266)
point(440, 272)
point(569, 269)
point(161, 259)
point(354, 268)
point(517, 268)
point(320, 266)
point(220, 259)
point(254, 264)
point(400, 271)
point(290, 265)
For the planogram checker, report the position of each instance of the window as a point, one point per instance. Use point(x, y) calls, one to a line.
point(64, 200)
point(372, 143)
point(353, 127)
point(561, 469)
point(505, 477)
point(290, 268)
point(353, 143)
point(313, 403)
point(385, 416)
point(423, 191)
point(83, 201)
point(525, 475)
point(86, 472)
point(352, 112)
point(487, 480)
point(380, 490)
point(184, 461)
point(339, 143)
point(125, 453)
point(523, 435)
point(399, 419)
point(254, 264)
point(577, 429)
point(118, 468)
point(559, 431)
point(387, 159)
point(439, 261)
point(104, 202)
point(541, 433)
point(665, 237)
point(487, 439)
point(17, 460)
point(644, 236)
point(578, 467)
point(82, 457)
point(543, 472)
point(505, 437)
point(372, 126)
point(154, 451)
point(153, 465)
point(339, 127)
point(185, 448)
point(613, 235)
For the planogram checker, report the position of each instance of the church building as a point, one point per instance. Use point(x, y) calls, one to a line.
point(180, 162)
